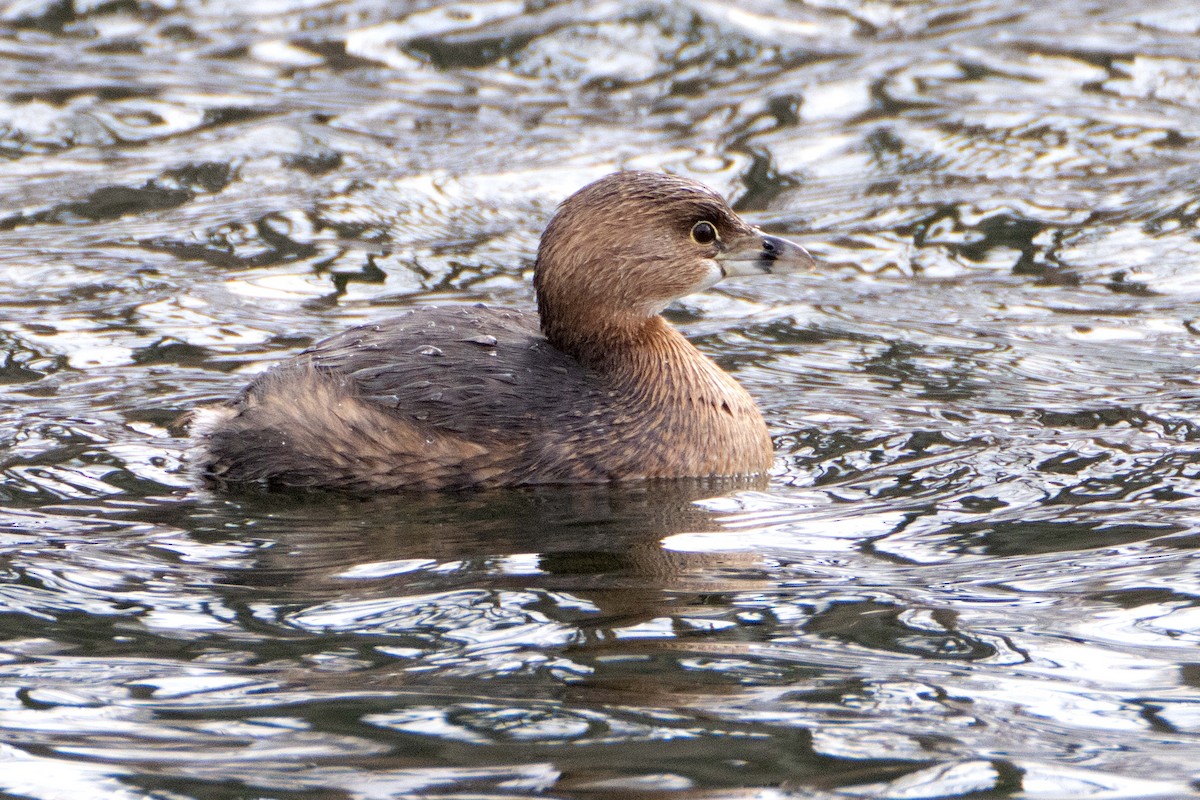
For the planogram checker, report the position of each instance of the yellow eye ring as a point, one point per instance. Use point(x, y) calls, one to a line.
point(704, 232)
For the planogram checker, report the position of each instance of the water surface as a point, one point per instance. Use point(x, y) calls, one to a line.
point(973, 573)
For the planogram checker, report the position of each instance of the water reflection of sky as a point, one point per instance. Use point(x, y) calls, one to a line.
point(972, 571)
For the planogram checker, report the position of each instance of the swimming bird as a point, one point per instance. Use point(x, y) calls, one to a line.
point(597, 387)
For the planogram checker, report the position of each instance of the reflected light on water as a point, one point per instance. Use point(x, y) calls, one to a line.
point(971, 573)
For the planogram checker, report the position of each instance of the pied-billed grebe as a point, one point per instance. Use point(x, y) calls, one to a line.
point(445, 398)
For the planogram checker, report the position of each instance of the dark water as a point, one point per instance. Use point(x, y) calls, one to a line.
point(974, 572)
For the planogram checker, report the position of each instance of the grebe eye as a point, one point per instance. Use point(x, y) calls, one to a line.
point(704, 233)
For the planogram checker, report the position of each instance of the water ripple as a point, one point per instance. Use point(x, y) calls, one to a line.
point(971, 572)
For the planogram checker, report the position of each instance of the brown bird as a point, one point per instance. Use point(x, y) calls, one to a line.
point(449, 398)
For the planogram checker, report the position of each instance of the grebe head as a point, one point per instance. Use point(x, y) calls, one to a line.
point(622, 248)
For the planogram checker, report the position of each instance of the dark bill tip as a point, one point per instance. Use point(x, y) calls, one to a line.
point(781, 255)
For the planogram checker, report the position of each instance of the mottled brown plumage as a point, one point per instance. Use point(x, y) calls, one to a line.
point(460, 397)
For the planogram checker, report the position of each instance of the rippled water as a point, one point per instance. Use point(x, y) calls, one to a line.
point(974, 572)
